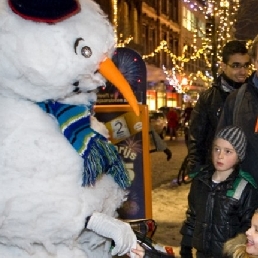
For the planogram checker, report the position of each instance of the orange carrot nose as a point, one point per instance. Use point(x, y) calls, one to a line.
point(108, 69)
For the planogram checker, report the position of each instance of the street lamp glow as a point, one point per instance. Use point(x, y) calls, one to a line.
point(184, 81)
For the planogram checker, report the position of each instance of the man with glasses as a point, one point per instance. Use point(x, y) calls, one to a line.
point(241, 109)
point(205, 115)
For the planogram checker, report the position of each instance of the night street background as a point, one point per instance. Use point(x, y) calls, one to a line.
point(247, 20)
point(169, 203)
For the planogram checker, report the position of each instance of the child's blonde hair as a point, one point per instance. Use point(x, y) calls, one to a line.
point(236, 247)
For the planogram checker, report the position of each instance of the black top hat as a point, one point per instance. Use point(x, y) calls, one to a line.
point(49, 11)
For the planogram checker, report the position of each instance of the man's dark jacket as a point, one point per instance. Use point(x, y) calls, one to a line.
point(204, 121)
point(247, 120)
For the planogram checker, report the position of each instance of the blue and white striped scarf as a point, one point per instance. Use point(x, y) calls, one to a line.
point(99, 155)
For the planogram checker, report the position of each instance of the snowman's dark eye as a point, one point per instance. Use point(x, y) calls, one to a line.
point(85, 50)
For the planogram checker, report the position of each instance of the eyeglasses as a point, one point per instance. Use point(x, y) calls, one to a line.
point(238, 66)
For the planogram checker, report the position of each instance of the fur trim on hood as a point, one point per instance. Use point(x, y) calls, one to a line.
point(236, 248)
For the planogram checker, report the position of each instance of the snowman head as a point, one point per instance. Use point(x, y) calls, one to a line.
point(50, 48)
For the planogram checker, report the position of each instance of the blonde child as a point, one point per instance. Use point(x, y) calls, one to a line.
point(244, 246)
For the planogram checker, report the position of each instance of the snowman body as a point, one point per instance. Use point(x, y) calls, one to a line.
point(43, 205)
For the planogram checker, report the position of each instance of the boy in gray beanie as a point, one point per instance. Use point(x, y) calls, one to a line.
point(236, 138)
point(222, 198)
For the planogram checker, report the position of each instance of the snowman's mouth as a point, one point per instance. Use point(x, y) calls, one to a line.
point(77, 89)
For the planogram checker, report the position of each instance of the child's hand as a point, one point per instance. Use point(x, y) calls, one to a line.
point(139, 252)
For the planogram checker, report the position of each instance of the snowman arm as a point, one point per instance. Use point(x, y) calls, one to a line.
point(109, 227)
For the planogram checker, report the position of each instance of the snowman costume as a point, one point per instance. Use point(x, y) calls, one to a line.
point(60, 186)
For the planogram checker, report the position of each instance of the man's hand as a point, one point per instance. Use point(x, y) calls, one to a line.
point(168, 153)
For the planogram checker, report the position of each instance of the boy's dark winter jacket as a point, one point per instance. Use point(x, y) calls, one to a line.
point(218, 212)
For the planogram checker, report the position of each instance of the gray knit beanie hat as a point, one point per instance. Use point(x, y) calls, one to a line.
point(236, 137)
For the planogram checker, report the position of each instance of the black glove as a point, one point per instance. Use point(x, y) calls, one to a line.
point(157, 254)
point(168, 153)
point(186, 251)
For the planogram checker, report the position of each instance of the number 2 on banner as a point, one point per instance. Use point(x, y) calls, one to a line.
point(119, 129)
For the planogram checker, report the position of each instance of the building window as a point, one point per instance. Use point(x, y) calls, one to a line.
point(126, 20)
point(164, 7)
point(161, 99)
point(189, 20)
point(201, 29)
point(123, 22)
point(135, 26)
point(163, 53)
point(173, 8)
point(145, 38)
point(151, 99)
point(151, 42)
point(153, 3)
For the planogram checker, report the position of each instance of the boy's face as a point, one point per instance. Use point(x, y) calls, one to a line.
point(224, 156)
point(237, 67)
point(252, 236)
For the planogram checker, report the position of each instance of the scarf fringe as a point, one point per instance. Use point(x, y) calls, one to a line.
point(102, 157)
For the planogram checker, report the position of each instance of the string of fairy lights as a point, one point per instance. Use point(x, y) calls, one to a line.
point(223, 14)
point(115, 21)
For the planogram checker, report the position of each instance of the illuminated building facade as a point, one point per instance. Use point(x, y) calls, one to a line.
point(171, 36)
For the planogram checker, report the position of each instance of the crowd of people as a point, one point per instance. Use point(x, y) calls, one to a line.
point(222, 214)
point(222, 153)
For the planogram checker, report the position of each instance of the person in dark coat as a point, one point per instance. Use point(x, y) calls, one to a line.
point(187, 112)
point(186, 119)
point(206, 113)
point(173, 119)
point(247, 114)
point(160, 144)
point(222, 198)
